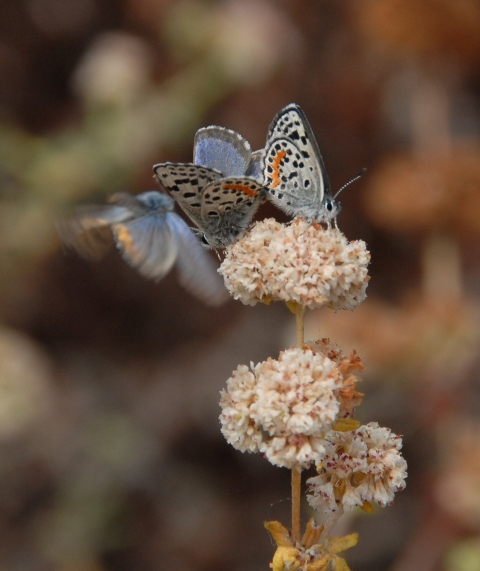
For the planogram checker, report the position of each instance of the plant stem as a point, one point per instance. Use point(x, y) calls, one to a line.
point(296, 489)
point(296, 472)
point(299, 315)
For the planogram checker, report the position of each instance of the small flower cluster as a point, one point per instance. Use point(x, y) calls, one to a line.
point(298, 410)
point(363, 465)
point(283, 408)
point(300, 262)
point(348, 396)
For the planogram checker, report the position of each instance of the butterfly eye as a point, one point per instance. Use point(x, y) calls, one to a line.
point(329, 206)
point(204, 240)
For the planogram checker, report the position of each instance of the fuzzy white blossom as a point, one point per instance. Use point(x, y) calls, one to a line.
point(363, 465)
point(299, 262)
point(282, 408)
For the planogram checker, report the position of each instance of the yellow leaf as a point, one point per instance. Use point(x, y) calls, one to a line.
point(320, 565)
point(341, 564)
point(367, 507)
point(311, 535)
point(345, 424)
point(339, 544)
point(279, 533)
point(285, 558)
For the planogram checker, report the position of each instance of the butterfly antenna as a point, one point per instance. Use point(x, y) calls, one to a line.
point(359, 175)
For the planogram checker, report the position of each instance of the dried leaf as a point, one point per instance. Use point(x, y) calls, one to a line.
point(339, 544)
point(279, 533)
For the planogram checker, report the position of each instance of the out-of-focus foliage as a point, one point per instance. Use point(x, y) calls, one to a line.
point(111, 456)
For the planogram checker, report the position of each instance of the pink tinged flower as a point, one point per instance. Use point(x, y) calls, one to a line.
point(363, 465)
point(300, 262)
point(323, 498)
point(283, 408)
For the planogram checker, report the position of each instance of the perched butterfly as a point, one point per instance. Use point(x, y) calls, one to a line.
point(294, 173)
point(151, 238)
point(221, 191)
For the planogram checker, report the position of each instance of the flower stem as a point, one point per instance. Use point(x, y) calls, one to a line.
point(296, 490)
point(299, 311)
point(299, 317)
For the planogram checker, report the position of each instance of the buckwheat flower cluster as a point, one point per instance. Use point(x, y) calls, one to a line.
point(299, 262)
point(348, 396)
point(283, 408)
point(363, 465)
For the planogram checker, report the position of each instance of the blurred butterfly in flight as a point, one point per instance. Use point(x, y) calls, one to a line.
point(222, 189)
point(150, 237)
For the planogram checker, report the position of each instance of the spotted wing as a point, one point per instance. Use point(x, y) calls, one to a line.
point(197, 271)
point(288, 179)
point(148, 244)
point(221, 149)
point(185, 182)
point(291, 123)
point(237, 197)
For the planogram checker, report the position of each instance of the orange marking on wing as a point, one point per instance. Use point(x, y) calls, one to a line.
point(124, 237)
point(246, 189)
point(276, 166)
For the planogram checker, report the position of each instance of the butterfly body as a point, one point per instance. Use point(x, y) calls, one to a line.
point(294, 173)
point(221, 191)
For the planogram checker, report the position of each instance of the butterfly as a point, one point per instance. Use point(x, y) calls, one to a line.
point(150, 237)
point(293, 169)
point(222, 189)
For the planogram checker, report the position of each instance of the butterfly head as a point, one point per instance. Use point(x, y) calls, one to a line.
point(331, 207)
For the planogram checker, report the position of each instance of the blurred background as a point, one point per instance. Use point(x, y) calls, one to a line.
point(111, 457)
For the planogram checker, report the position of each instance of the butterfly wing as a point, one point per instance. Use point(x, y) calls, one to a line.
point(221, 149)
point(143, 203)
point(294, 171)
point(88, 230)
point(292, 123)
point(147, 244)
point(196, 270)
point(185, 182)
point(231, 195)
point(289, 180)
point(228, 205)
point(255, 166)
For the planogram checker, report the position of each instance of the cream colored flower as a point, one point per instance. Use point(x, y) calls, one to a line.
point(360, 466)
point(282, 408)
point(299, 262)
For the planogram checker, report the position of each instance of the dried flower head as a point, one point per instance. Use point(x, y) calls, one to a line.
point(26, 396)
point(416, 193)
point(458, 481)
point(428, 29)
point(300, 262)
point(360, 466)
point(284, 407)
point(349, 397)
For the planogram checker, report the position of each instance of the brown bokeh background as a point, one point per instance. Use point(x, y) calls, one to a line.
point(111, 457)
